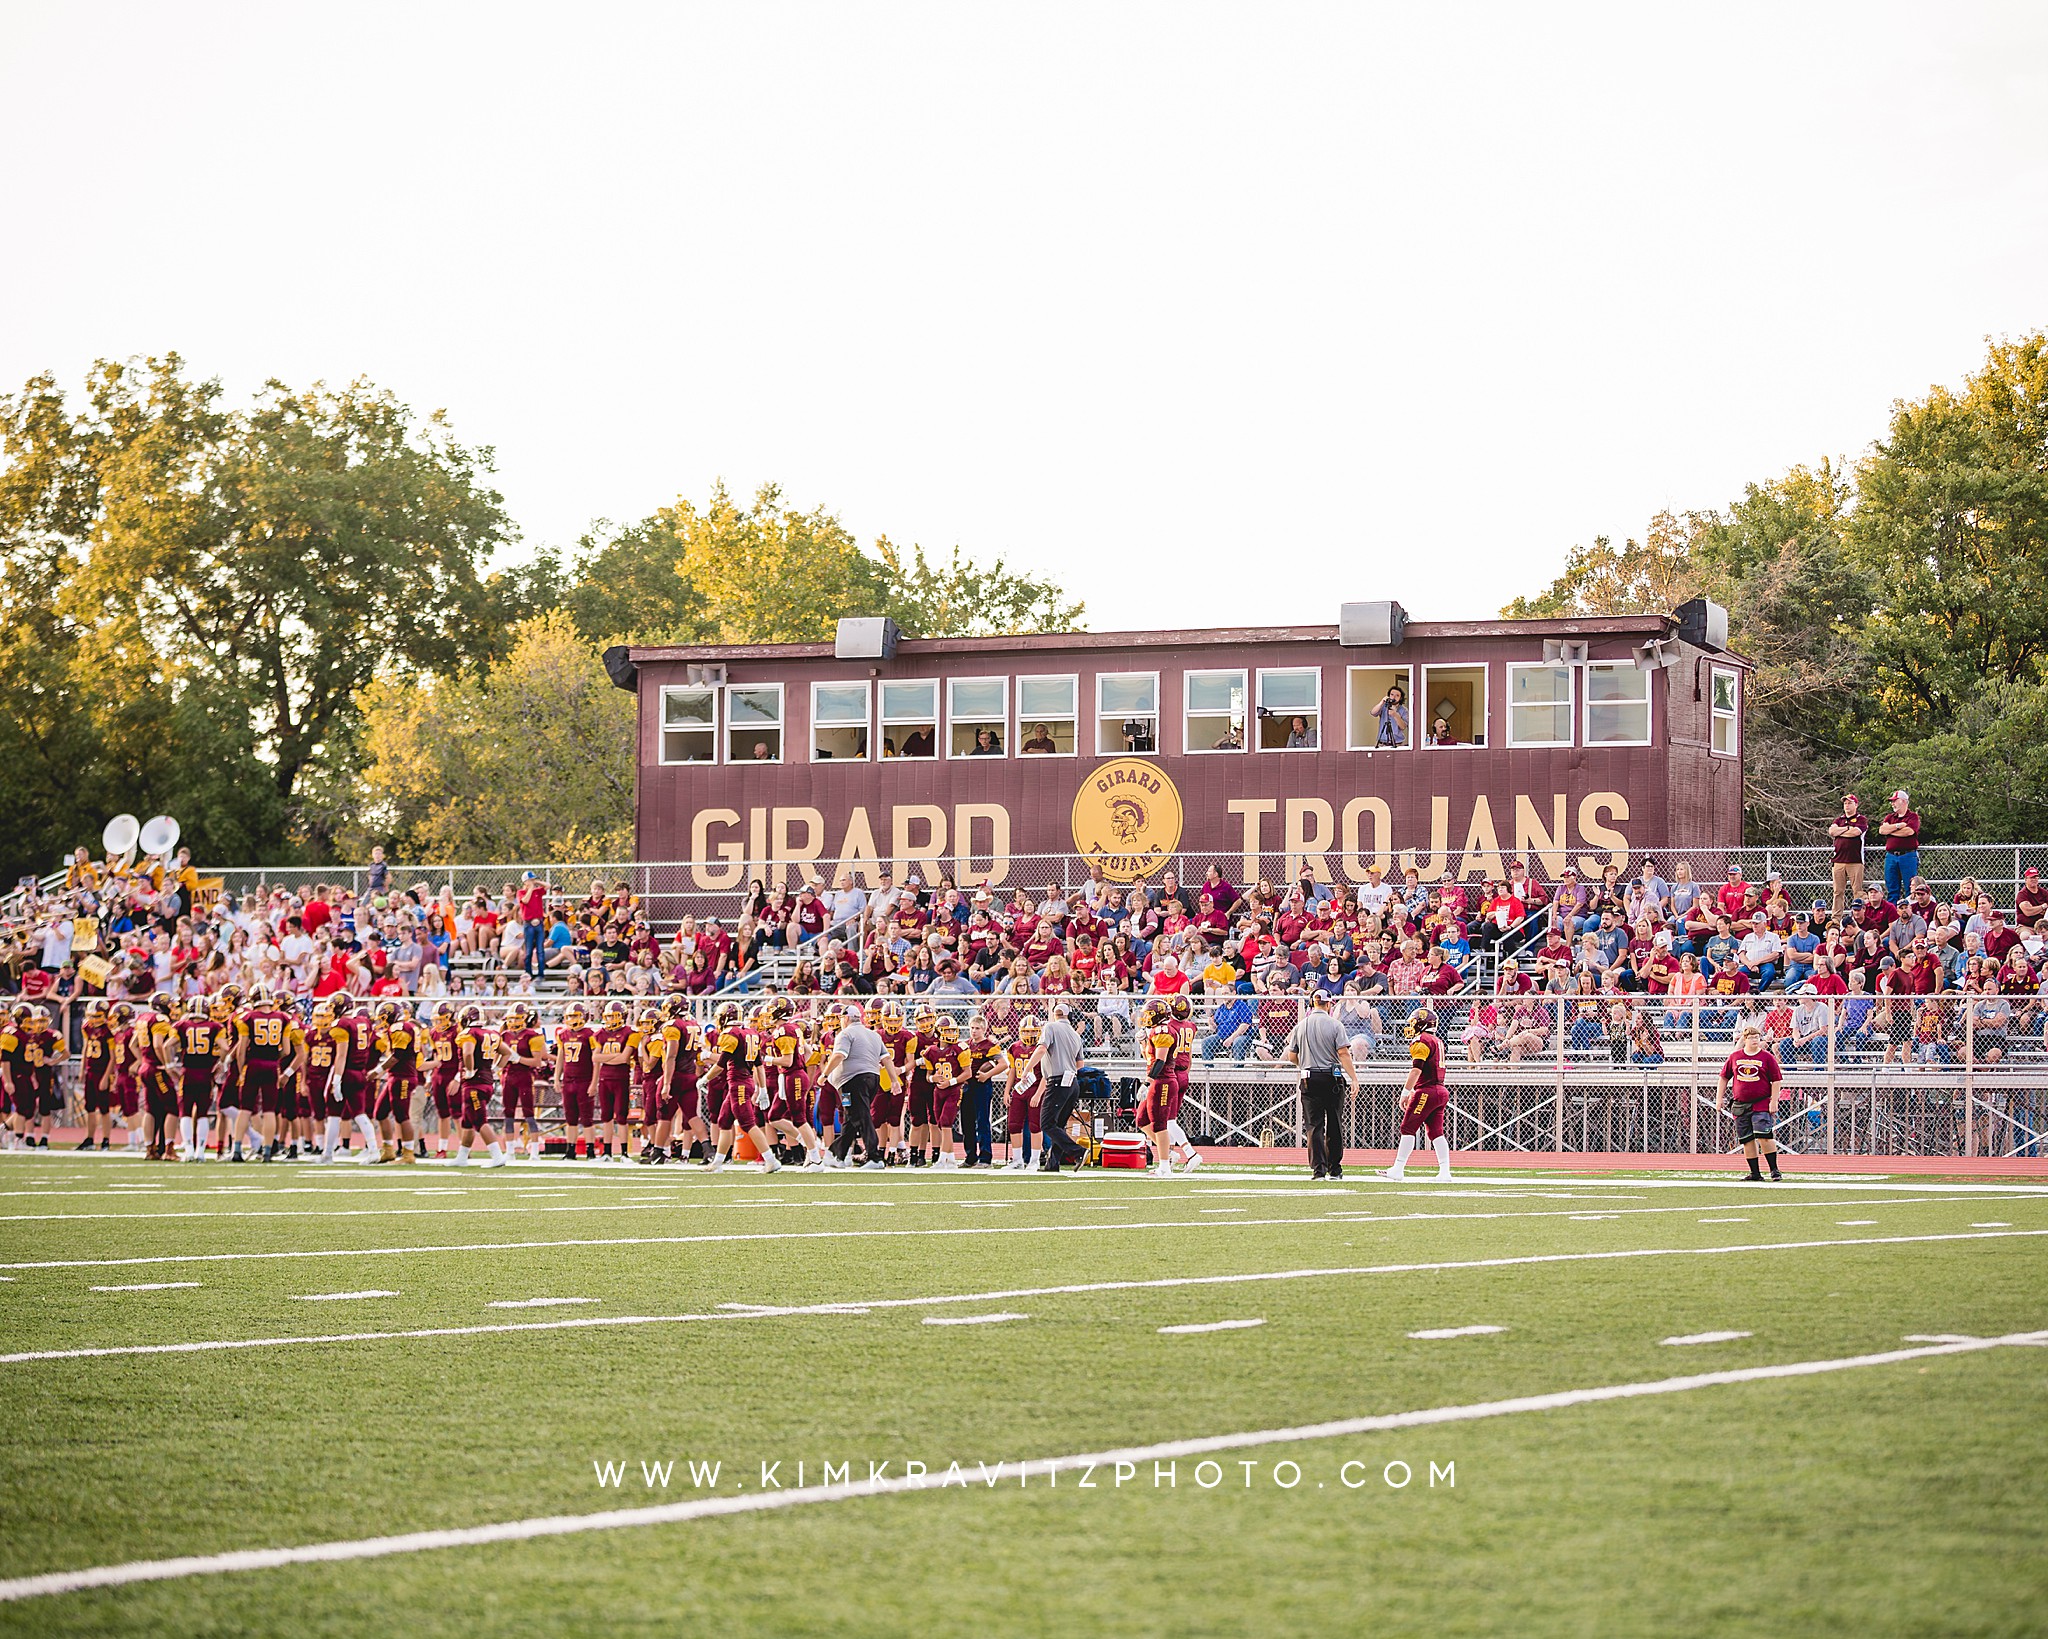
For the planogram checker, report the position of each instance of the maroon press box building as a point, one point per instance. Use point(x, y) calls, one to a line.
point(1450, 745)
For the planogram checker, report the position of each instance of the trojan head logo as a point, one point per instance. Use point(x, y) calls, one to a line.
point(1127, 818)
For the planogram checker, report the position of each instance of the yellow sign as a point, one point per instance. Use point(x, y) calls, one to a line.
point(1127, 818)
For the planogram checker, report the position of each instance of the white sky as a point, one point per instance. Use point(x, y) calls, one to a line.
point(1213, 313)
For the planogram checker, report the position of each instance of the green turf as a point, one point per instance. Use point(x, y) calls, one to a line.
point(1905, 1498)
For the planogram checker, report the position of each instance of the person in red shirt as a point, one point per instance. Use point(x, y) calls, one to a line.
point(317, 914)
point(1733, 894)
point(1753, 1077)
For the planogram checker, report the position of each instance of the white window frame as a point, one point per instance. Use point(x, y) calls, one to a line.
point(1586, 706)
point(867, 726)
point(1001, 720)
point(663, 730)
point(1714, 713)
point(1187, 744)
point(1050, 719)
point(1485, 672)
point(1095, 722)
point(1258, 704)
point(781, 720)
point(1570, 703)
point(1353, 728)
point(884, 723)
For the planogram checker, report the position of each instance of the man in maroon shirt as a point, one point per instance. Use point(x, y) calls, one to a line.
point(1847, 833)
point(1753, 1076)
point(2031, 906)
point(1999, 939)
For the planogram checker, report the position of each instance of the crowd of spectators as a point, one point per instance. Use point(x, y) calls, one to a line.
point(1528, 959)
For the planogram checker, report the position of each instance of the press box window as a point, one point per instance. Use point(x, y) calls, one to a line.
point(977, 714)
point(1371, 688)
point(1452, 706)
point(1215, 711)
point(1290, 709)
point(689, 725)
point(1617, 704)
point(753, 723)
point(1539, 705)
point(1727, 741)
point(1046, 716)
point(839, 722)
point(910, 719)
point(1126, 713)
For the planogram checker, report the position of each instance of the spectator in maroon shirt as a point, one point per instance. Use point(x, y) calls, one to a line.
point(2030, 905)
point(1999, 939)
point(1847, 832)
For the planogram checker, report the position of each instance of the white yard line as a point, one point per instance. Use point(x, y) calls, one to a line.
point(1457, 1331)
point(1209, 1326)
point(152, 1286)
point(846, 1306)
point(1124, 1226)
point(536, 1303)
point(340, 1297)
point(973, 1320)
point(1703, 1337)
point(1343, 1214)
point(1046, 1469)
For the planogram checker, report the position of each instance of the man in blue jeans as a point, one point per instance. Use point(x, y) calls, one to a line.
point(1901, 832)
point(531, 903)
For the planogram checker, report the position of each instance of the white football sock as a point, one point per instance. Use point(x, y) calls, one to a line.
point(1407, 1149)
point(205, 1131)
point(369, 1131)
point(333, 1135)
point(1443, 1154)
point(185, 1132)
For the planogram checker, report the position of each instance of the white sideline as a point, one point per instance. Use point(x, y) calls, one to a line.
point(620, 1519)
point(845, 1306)
point(1340, 1216)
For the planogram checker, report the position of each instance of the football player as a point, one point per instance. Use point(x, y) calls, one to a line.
point(1021, 1084)
point(96, 1070)
point(204, 1048)
point(741, 1101)
point(522, 1053)
point(573, 1071)
point(612, 1049)
point(398, 1046)
point(1159, 1105)
point(1423, 1098)
point(473, 1086)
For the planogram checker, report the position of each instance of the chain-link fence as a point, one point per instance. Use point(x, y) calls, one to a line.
point(670, 890)
point(1947, 1075)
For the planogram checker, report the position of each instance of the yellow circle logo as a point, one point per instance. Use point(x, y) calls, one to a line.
point(1127, 818)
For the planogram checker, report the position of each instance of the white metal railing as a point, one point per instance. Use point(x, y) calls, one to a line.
point(1910, 1076)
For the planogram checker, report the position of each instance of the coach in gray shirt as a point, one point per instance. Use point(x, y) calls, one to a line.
point(1319, 1047)
point(1058, 1061)
point(855, 1068)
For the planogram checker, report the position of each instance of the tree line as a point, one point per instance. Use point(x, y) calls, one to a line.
point(281, 623)
point(1896, 607)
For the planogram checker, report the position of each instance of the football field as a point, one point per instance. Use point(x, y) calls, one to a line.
point(565, 1397)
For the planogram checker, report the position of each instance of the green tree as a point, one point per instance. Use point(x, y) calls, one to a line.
point(530, 760)
point(1951, 523)
point(767, 573)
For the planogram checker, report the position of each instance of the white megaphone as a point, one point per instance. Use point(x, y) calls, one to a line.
point(160, 835)
point(120, 836)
